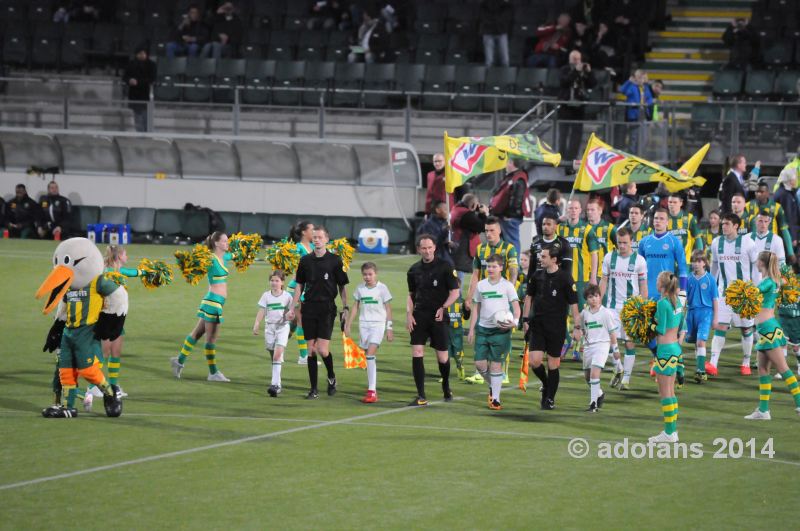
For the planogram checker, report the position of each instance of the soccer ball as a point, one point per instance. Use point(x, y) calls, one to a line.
point(503, 317)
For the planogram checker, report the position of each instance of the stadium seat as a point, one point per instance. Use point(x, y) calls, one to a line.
point(777, 54)
point(142, 222)
point(499, 80)
point(378, 76)
point(430, 48)
point(229, 72)
point(16, 46)
point(167, 226)
point(133, 36)
point(530, 86)
point(727, 84)
point(128, 13)
point(348, 77)
point(288, 75)
point(339, 226)
point(73, 47)
point(158, 12)
point(254, 44)
point(200, 72)
point(363, 222)
point(438, 79)
point(114, 214)
point(705, 118)
point(83, 215)
point(230, 221)
point(409, 79)
point(462, 18)
point(168, 72)
point(280, 225)
point(269, 14)
point(258, 76)
point(195, 225)
point(786, 85)
point(104, 41)
point(768, 122)
point(469, 80)
point(14, 10)
point(160, 35)
point(758, 84)
point(318, 75)
point(282, 45)
point(46, 45)
point(460, 49)
point(338, 46)
point(401, 45)
point(311, 45)
point(399, 233)
point(40, 10)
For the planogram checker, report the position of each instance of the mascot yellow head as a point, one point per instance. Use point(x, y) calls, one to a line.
point(76, 262)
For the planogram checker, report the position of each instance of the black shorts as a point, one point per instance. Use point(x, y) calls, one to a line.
point(546, 337)
point(317, 320)
point(428, 327)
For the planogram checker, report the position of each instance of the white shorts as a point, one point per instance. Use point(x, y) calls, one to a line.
point(370, 333)
point(276, 335)
point(595, 355)
point(621, 336)
point(725, 315)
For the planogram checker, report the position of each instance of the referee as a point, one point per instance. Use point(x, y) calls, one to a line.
point(320, 276)
point(549, 221)
point(551, 292)
point(432, 287)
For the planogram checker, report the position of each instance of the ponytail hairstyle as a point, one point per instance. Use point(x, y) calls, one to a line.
point(213, 238)
point(113, 254)
point(668, 283)
point(770, 263)
point(296, 232)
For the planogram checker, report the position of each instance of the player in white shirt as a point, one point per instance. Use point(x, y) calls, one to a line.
point(272, 308)
point(374, 319)
point(766, 240)
point(624, 276)
point(599, 325)
point(733, 257)
point(492, 338)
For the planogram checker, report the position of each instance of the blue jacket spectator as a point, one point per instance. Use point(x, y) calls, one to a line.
point(637, 92)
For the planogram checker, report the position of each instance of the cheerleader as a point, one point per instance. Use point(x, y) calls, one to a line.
point(300, 234)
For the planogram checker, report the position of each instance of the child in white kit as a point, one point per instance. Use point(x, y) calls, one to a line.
point(599, 326)
point(375, 318)
point(273, 306)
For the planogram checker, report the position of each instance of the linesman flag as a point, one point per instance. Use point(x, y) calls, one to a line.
point(603, 167)
point(466, 157)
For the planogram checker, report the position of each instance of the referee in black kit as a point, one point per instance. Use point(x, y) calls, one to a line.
point(432, 287)
point(320, 276)
point(551, 292)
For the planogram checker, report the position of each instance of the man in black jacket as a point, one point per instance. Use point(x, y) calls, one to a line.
point(140, 73)
point(226, 33)
point(576, 80)
point(742, 39)
point(736, 181)
point(55, 210)
point(23, 213)
point(508, 200)
point(190, 35)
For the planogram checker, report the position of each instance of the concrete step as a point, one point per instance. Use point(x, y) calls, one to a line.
point(688, 34)
point(690, 55)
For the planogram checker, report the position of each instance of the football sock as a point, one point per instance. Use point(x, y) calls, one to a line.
point(56, 387)
point(497, 384)
point(459, 359)
point(717, 344)
point(670, 417)
point(701, 359)
point(764, 391)
point(312, 371)
point(211, 357)
point(627, 363)
point(552, 383)
point(186, 349)
point(372, 373)
point(747, 347)
point(444, 370)
point(328, 361)
point(618, 367)
point(418, 369)
point(594, 391)
point(276, 373)
point(301, 341)
point(113, 370)
point(540, 373)
point(794, 388)
point(506, 363)
point(68, 395)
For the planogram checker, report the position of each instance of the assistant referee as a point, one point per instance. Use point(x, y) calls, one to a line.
point(320, 276)
point(432, 287)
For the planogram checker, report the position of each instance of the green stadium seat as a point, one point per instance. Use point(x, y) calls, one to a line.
point(778, 54)
point(142, 222)
point(399, 233)
point(194, 225)
point(114, 214)
point(339, 226)
point(727, 84)
point(705, 118)
point(365, 223)
point(280, 225)
point(499, 80)
point(230, 221)
point(252, 222)
point(168, 72)
point(229, 72)
point(758, 85)
point(200, 72)
point(258, 78)
point(83, 215)
point(786, 85)
point(168, 225)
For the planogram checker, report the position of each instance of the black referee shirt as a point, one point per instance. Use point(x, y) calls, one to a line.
point(565, 259)
point(430, 284)
point(321, 277)
point(552, 295)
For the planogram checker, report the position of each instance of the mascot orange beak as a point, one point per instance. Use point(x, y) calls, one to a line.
point(56, 284)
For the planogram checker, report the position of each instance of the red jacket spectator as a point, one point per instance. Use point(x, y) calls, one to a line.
point(436, 185)
point(554, 38)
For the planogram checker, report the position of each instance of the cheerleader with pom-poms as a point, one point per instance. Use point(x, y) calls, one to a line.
point(210, 260)
point(771, 338)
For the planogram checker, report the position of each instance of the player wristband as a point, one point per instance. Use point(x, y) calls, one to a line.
point(389, 325)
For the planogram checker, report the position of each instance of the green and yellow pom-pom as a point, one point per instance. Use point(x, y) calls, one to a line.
point(345, 251)
point(744, 298)
point(283, 255)
point(637, 318)
point(789, 292)
point(115, 277)
point(245, 249)
point(194, 264)
point(155, 273)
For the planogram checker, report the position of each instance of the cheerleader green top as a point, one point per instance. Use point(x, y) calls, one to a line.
point(769, 290)
point(668, 316)
point(218, 273)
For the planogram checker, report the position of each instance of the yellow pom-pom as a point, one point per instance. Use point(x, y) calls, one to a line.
point(637, 318)
point(789, 292)
point(155, 273)
point(194, 264)
point(345, 251)
point(245, 249)
point(115, 277)
point(744, 298)
point(283, 255)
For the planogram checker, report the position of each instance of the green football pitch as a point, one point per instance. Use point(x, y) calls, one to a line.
point(191, 454)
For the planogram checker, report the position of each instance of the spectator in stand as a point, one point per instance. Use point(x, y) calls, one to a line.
point(595, 44)
point(495, 23)
point(436, 226)
point(625, 202)
point(576, 79)
point(736, 182)
point(656, 88)
point(55, 214)
point(639, 107)
point(84, 11)
point(436, 185)
point(371, 41)
point(190, 35)
point(551, 205)
point(742, 39)
point(508, 202)
point(140, 74)
point(630, 27)
point(468, 221)
point(226, 33)
point(22, 214)
point(553, 42)
point(787, 197)
point(324, 15)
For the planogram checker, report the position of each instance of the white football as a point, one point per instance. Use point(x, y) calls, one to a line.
point(504, 317)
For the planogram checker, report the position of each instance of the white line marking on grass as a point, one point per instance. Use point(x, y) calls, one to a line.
point(214, 446)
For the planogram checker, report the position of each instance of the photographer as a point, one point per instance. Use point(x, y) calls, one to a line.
point(576, 80)
point(468, 221)
point(742, 39)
